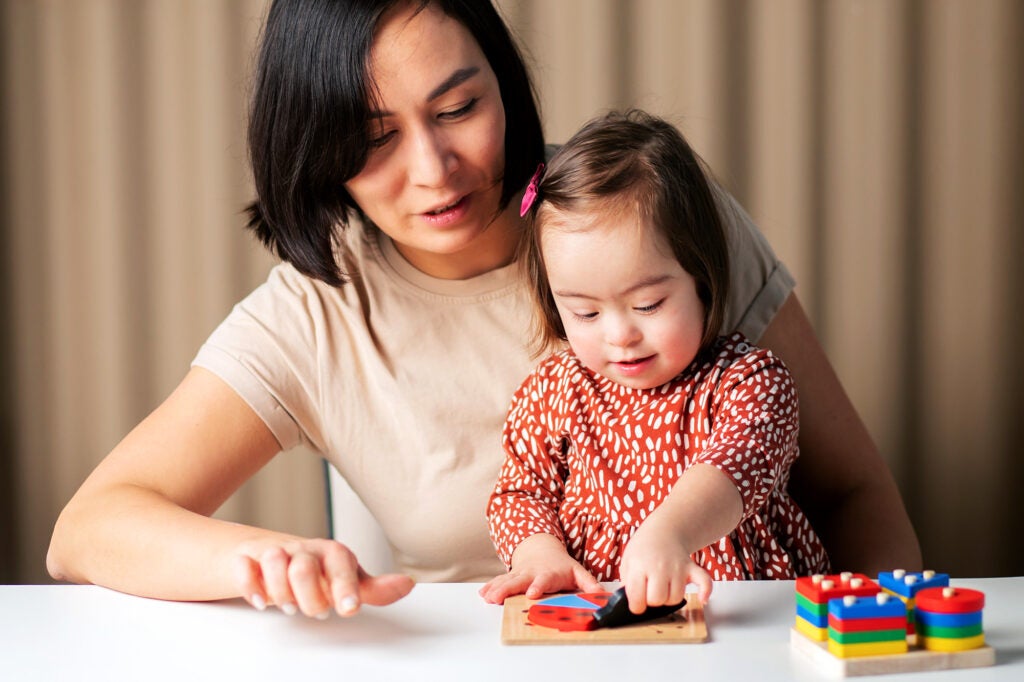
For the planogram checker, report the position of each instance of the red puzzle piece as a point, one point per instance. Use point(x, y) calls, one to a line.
point(561, 617)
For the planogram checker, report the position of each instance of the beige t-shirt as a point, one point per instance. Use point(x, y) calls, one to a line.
point(402, 381)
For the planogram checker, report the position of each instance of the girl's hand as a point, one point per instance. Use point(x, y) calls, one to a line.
point(656, 568)
point(312, 576)
point(540, 565)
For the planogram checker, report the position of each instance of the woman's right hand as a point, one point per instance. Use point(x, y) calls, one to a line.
point(312, 576)
point(142, 522)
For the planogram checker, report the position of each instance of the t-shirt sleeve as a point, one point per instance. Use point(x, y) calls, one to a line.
point(530, 486)
point(756, 420)
point(759, 282)
point(264, 350)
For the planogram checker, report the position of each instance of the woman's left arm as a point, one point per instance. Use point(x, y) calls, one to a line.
point(840, 480)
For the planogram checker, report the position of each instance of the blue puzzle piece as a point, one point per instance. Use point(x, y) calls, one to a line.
point(571, 601)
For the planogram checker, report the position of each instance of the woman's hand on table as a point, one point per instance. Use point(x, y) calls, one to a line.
point(312, 576)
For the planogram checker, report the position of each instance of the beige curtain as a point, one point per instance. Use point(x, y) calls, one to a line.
point(876, 142)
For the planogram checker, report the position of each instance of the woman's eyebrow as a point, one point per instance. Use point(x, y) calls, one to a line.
point(457, 78)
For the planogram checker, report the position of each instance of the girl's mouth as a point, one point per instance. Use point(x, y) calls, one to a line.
point(635, 365)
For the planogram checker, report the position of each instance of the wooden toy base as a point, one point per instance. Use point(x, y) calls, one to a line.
point(915, 660)
point(685, 626)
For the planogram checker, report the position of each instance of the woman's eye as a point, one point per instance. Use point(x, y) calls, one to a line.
point(381, 140)
point(461, 111)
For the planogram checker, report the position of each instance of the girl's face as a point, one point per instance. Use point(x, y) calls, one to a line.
point(631, 312)
point(434, 176)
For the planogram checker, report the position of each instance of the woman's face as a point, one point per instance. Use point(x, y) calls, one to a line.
point(433, 179)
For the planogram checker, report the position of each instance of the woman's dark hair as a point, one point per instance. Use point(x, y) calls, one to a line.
point(631, 159)
point(310, 126)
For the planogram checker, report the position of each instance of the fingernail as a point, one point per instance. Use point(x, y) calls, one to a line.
point(348, 605)
point(324, 615)
point(259, 602)
point(289, 608)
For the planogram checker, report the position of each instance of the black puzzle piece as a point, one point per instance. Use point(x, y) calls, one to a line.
point(616, 612)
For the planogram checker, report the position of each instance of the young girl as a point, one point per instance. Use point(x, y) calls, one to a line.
point(648, 451)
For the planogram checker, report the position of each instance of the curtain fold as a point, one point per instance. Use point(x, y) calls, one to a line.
point(877, 144)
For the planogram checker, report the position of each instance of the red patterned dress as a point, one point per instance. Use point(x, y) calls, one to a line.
point(586, 460)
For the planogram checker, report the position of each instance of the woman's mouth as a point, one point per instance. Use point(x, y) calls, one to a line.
point(449, 213)
point(441, 210)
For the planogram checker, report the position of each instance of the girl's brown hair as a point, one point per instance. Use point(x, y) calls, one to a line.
point(625, 158)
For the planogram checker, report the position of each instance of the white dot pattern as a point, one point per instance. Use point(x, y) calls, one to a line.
point(588, 459)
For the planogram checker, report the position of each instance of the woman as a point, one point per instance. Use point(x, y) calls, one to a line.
point(390, 142)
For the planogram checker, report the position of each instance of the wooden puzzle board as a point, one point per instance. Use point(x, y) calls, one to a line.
point(915, 660)
point(685, 626)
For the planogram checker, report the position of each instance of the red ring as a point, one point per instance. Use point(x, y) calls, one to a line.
point(962, 601)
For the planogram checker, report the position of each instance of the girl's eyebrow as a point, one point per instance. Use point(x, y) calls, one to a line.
point(642, 284)
point(458, 77)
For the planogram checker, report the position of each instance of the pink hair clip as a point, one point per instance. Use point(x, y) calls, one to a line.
point(531, 191)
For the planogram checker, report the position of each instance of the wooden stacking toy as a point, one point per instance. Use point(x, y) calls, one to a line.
point(813, 594)
point(867, 626)
point(906, 586)
point(949, 619)
point(851, 625)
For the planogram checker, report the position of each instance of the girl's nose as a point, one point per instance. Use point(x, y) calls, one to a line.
point(431, 159)
point(620, 331)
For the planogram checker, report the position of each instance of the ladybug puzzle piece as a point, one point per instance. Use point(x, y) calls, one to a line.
point(590, 611)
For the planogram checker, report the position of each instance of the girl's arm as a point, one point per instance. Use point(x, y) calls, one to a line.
point(522, 512)
point(840, 480)
point(656, 567)
point(140, 522)
point(747, 452)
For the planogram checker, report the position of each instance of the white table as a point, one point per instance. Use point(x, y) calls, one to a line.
point(439, 632)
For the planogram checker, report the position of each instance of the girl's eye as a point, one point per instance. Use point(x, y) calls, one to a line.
point(461, 111)
point(649, 308)
point(585, 317)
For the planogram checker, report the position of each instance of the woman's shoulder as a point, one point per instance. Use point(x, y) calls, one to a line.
point(734, 358)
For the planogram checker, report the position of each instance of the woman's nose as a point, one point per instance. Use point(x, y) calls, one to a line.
point(431, 159)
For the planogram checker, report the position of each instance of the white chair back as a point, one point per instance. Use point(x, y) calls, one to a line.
point(352, 525)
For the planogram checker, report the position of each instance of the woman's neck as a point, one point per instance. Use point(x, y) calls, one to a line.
point(494, 248)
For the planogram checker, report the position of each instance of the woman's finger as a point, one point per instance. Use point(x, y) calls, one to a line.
point(274, 568)
point(382, 590)
point(308, 584)
point(342, 572)
point(247, 577)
